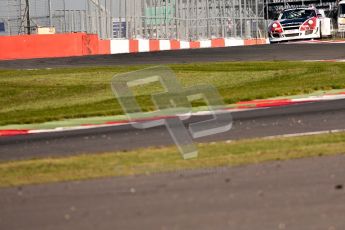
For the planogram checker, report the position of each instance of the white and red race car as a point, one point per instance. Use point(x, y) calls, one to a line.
point(299, 23)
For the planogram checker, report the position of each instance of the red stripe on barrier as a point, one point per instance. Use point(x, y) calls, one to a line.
point(251, 42)
point(175, 45)
point(262, 41)
point(90, 45)
point(13, 132)
point(154, 45)
point(104, 47)
point(194, 45)
point(133, 46)
point(220, 42)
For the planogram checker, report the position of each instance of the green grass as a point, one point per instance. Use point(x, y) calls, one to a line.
point(156, 160)
point(35, 96)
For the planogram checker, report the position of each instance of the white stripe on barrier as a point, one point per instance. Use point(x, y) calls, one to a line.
point(184, 45)
point(233, 42)
point(164, 45)
point(119, 46)
point(144, 45)
point(205, 44)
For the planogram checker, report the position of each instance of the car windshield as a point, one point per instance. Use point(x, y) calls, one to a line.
point(342, 10)
point(298, 13)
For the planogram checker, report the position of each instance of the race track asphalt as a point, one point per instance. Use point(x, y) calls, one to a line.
point(304, 194)
point(309, 117)
point(276, 52)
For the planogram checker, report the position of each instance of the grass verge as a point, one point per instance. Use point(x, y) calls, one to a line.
point(37, 96)
point(157, 160)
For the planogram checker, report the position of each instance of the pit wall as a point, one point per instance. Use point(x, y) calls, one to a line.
point(82, 44)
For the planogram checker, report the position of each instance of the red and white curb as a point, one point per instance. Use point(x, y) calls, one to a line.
point(246, 105)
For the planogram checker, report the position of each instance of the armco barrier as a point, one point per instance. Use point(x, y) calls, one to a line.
point(145, 45)
point(47, 46)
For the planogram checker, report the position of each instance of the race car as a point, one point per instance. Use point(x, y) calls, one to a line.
point(297, 23)
point(341, 17)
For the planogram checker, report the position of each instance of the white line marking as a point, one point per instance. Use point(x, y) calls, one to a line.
point(291, 135)
point(306, 134)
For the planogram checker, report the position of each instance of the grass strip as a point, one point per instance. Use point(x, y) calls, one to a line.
point(157, 160)
point(37, 96)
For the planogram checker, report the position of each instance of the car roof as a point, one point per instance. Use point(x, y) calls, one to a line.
point(300, 8)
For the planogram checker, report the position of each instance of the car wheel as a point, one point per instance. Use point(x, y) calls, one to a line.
point(320, 33)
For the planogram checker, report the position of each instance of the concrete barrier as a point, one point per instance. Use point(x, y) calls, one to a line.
point(104, 47)
point(81, 44)
point(50, 46)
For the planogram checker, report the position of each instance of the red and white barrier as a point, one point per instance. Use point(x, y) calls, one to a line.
point(146, 45)
point(82, 44)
